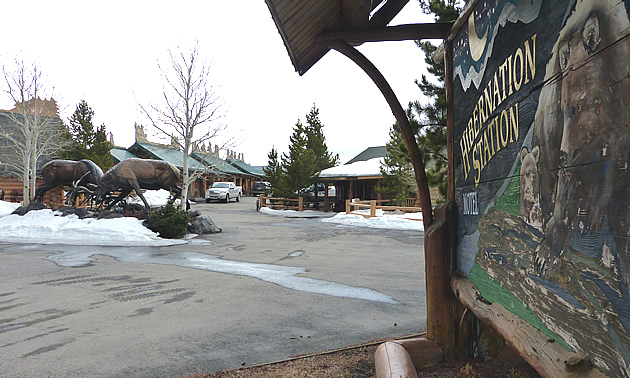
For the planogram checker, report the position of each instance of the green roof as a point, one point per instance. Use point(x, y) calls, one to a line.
point(215, 164)
point(246, 168)
point(166, 153)
point(369, 154)
point(119, 154)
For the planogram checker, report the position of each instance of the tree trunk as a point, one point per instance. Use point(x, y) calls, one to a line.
point(26, 158)
point(185, 177)
point(33, 176)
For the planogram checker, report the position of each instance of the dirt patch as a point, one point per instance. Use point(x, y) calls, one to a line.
point(358, 361)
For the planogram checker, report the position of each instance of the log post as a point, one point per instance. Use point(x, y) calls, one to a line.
point(300, 203)
point(372, 208)
point(438, 260)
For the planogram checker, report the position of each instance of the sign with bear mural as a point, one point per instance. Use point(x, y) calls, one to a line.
point(541, 163)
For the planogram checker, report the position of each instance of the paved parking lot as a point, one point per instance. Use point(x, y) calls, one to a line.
point(264, 289)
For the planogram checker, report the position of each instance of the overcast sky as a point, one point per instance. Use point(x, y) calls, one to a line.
point(107, 53)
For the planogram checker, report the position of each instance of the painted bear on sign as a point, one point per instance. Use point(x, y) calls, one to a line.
point(530, 189)
point(581, 128)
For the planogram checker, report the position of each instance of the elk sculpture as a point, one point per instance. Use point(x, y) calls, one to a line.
point(83, 176)
point(138, 174)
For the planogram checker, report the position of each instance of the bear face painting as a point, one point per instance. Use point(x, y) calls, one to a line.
point(530, 188)
point(581, 129)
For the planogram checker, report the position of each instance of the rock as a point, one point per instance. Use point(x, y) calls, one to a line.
point(78, 211)
point(107, 214)
point(203, 225)
point(194, 213)
point(135, 207)
point(31, 206)
point(19, 211)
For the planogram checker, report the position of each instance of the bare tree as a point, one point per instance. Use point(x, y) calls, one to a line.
point(30, 131)
point(191, 109)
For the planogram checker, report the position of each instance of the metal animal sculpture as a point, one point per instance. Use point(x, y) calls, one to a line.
point(80, 175)
point(138, 174)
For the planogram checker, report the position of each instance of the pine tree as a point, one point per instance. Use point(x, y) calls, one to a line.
point(316, 142)
point(273, 171)
point(397, 170)
point(298, 165)
point(428, 120)
point(85, 141)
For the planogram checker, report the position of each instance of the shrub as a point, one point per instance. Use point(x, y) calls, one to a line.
point(169, 221)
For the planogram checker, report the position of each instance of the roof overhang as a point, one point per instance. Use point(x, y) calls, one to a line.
point(307, 26)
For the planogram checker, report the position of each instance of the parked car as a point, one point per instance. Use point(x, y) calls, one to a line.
point(224, 191)
point(260, 187)
point(321, 191)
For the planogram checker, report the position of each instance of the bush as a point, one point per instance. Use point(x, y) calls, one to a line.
point(169, 221)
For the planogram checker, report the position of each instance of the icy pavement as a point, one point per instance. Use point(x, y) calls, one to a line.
point(285, 276)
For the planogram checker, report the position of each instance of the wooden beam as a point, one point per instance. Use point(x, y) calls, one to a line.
point(546, 356)
point(401, 119)
point(355, 13)
point(389, 33)
point(387, 12)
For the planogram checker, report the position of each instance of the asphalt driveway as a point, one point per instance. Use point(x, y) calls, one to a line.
point(264, 289)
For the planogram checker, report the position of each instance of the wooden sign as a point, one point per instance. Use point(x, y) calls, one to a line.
point(542, 176)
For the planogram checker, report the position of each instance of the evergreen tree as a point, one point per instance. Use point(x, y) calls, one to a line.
point(428, 120)
point(397, 170)
point(85, 141)
point(316, 142)
point(273, 171)
point(298, 165)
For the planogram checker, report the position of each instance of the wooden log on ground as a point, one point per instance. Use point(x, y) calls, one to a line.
point(391, 360)
point(546, 356)
point(423, 353)
point(416, 353)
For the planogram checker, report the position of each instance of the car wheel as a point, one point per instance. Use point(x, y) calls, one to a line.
point(207, 200)
point(238, 198)
point(227, 198)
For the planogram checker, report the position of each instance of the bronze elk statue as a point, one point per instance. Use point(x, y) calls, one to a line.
point(83, 176)
point(138, 174)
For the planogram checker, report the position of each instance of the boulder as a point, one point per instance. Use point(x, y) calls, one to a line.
point(31, 206)
point(107, 214)
point(78, 211)
point(203, 225)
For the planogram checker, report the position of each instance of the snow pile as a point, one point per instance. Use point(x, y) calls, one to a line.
point(7, 208)
point(155, 198)
point(408, 221)
point(44, 227)
point(296, 214)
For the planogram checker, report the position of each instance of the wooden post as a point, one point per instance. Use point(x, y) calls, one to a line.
point(300, 203)
point(372, 208)
point(348, 206)
point(262, 201)
point(438, 261)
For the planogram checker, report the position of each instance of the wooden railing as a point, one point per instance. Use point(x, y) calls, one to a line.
point(372, 205)
point(281, 203)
